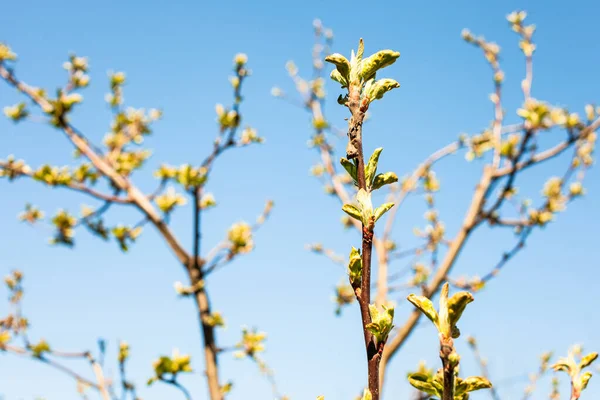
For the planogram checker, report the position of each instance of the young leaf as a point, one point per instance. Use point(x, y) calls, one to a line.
point(355, 267)
point(444, 326)
point(381, 322)
point(366, 207)
point(587, 360)
point(584, 379)
point(341, 64)
point(421, 382)
point(361, 50)
point(438, 384)
point(355, 61)
point(368, 85)
point(456, 306)
point(384, 179)
point(562, 365)
point(371, 167)
point(352, 211)
point(350, 167)
point(471, 384)
point(382, 209)
point(381, 87)
point(337, 76)
point(425, 305)
point(377, 61)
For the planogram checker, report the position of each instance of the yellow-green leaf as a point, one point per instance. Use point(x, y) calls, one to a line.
point(366, 206)
point(371, 167)
point(421, 382)
point(352, 211)
point(384, 179)
point(587, 360)
point(355, 267)
point(381, 322)
point(337, 76)
point(361, 50)
point(350, 167)
point(456, 306)
point(382, 209)
point(341, 63)
point(562, 365)
point(425, 305)
point(380, 87)
point(377, 61)
point(584, 379)
point(472, 383)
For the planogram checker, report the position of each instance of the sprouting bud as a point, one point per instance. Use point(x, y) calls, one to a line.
point(240, 59)
point(6, 53)
point(467, 35)
point(207, 201)
point(17, 112)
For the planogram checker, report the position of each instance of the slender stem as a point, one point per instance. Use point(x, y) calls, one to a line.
point(483, 366)
point(72, 186)
point(355, 150)
point(449, 367)
point(551, 152)
point(179, 386)
point(202, 302)
point(575, 391)
point(23, 352)
point(68, 371)
point(513, 174)
point(197, 227)
point(210, 347)
point(448, 380)
point(102, 385)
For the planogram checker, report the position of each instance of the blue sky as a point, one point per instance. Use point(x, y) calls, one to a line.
point(177, 56)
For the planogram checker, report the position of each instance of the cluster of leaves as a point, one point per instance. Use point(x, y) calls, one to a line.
point(573, 365)
point(77, 68)
point(381, 322)
point(433, 384)
point(359, 74)
point(240, 238)
point(251, 344)
point(6, 54)
point(187, 176)
point(215, 319)
point(14, 324)
point(445, 320)
point(16, 112)
point(449, 313)
point(168, 368)
point(363, 211)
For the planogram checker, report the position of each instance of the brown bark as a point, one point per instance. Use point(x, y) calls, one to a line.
point(355, 150)
point(210, 347)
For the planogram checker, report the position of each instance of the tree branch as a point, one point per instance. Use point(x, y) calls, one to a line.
point(471, 220)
